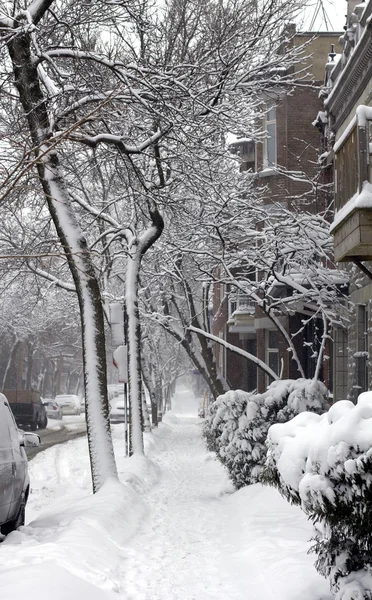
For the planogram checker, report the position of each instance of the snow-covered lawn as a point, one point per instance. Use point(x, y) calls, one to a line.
point(172, 529)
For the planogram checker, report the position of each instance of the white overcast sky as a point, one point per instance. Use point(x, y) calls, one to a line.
point(335, 11)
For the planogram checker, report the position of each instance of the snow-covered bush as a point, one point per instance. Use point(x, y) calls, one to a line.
point(237, 424)
point(222, 418)
point(324, 464)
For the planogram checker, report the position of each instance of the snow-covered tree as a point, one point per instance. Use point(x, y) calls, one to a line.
point(237, 424)
point(169, 76)
point(278, 259)
point(40, 335)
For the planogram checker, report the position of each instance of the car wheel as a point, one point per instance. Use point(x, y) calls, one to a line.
point(43, 423)
point(17, 522)
point(33, 425)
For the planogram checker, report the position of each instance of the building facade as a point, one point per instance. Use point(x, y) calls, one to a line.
point(285, 163)
point(348, 108)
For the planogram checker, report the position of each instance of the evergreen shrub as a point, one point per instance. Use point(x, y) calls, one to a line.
point(237, 423)
point(324, 464)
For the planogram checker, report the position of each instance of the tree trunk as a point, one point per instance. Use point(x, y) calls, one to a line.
point(53, 378)
point(159, 391)
point(21, 364)
point(10, 366)
point(78, 382)
point(30, 364)
point(147, 379)
point(134, 351)
point(59, 375)
point(146, 418)
point(138, 246)
point(79, 261)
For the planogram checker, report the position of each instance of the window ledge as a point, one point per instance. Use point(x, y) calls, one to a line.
point(268, 172)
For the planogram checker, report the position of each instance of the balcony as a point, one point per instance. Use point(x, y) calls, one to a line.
point(241, 314)
point(352, 226)
point(245, 149)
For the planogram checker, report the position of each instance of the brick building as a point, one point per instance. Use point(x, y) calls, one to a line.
point(285, 162)
point(348, 107)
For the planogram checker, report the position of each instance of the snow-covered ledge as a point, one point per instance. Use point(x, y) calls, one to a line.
point(352, 225)
point(359, 200)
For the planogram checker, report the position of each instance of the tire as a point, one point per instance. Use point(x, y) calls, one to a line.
point(43, 423)
point(17, 522)
point(33, 425)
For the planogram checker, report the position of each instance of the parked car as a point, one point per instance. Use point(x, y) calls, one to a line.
point(82, 404)
point(69, 403)
point(114, 390)
point(27, 408)
point(117, 410)
point(52, 408)
point(14, 478)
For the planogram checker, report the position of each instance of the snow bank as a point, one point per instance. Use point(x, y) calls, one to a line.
point(53, 582)
point(199, 540)
point(72, 549)
point(237, 425)
point(270, 547)
point(324, 464)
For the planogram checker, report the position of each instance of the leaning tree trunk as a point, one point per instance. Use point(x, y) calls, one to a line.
point(94, 359)
point(137, 248)
point(218, 384)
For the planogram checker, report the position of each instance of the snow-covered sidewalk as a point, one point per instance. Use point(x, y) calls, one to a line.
point(202, 540)
point(188, 536)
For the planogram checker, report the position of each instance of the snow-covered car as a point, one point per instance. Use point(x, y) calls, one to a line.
point(69, 403)
point(82, 404)
point(114, 390)
point(117, 410)
point(14, 479)
point(52, 409)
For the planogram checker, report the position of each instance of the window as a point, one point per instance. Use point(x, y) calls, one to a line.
point(361, 356)
point(233, 304)
point(241, 303)
point(352, 157)
point(13, 429)
point(272, 351)
point(4, 431)
point(269, 156)
point(346, 170)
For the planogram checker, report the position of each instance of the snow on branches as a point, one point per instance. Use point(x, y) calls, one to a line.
point(237, 425)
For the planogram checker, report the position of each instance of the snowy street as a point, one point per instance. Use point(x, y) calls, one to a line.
point(58, 432)
point(189, 536)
